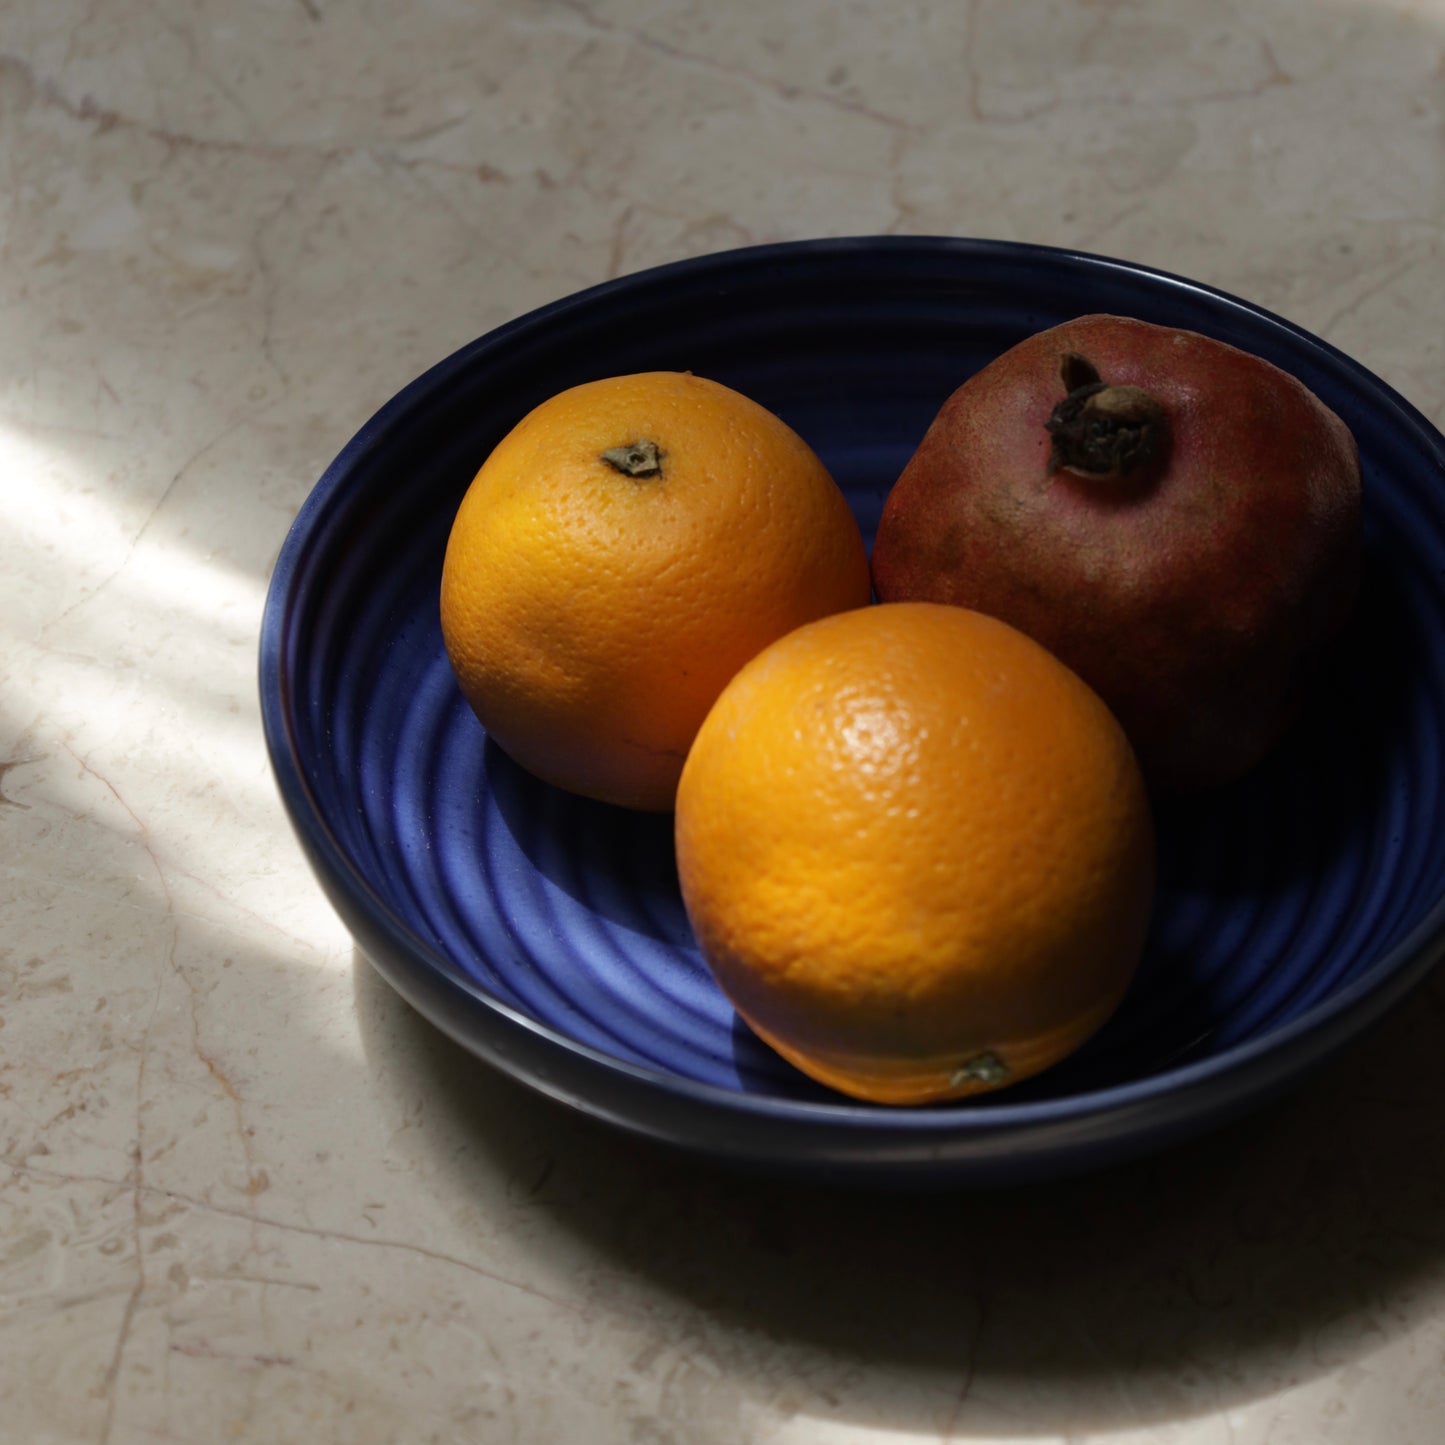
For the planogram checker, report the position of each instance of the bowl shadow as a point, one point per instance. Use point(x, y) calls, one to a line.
point(1176, 1285)
point(1188, 1282)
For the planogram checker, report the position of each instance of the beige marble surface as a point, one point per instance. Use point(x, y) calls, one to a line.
point(244, 1193)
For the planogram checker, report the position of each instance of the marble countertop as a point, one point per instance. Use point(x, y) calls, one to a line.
point(245, 1194)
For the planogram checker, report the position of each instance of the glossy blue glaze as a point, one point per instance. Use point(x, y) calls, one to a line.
point(545, 932)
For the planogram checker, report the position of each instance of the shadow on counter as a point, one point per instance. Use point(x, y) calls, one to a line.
point(1270, 1253)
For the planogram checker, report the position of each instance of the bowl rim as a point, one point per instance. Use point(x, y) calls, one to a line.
point(1313, 1034)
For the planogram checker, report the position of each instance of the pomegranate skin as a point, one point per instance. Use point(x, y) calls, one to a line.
point(1193, 593)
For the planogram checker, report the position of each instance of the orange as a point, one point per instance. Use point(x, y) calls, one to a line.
point(620, 554)
point(916, 851)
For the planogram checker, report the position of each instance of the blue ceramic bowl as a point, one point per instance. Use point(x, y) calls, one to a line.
point(546, 934)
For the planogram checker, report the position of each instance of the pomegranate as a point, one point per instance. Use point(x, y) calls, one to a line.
point(1176, 519)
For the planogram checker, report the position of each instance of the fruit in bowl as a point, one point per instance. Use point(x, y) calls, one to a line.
point(443, 859)
point(619, 555)
point(913, 839)
point(1176, 519)
point(916, 851)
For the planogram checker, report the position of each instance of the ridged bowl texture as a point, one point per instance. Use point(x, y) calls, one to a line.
point(546, 933)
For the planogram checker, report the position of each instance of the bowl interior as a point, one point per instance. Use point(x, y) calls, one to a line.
point(1275, 894)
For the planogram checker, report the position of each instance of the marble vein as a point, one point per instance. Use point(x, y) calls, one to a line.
point(595, 21)
point(284, 1226)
